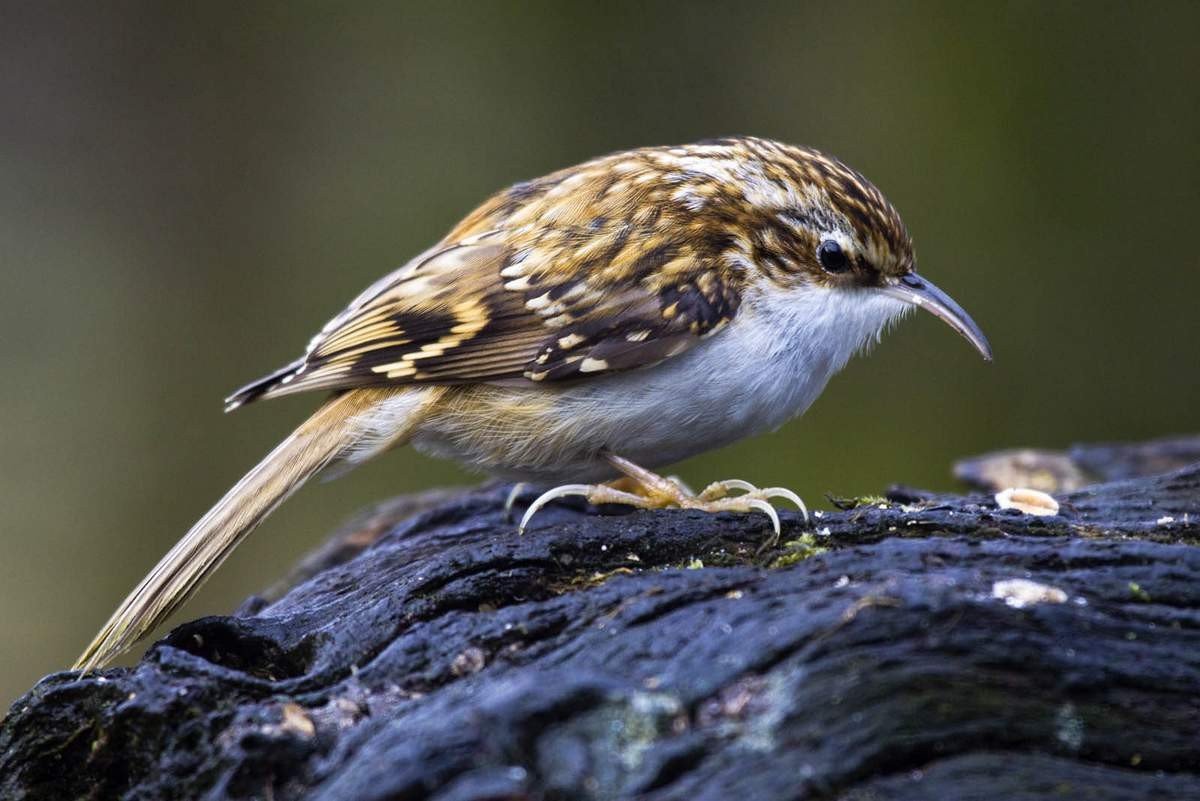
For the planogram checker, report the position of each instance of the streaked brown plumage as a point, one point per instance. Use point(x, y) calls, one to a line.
point(581, 317)
point(620, 262)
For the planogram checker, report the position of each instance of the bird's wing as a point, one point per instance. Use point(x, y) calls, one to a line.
point(538, 306)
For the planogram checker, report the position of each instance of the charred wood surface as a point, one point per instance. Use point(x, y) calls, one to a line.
point(911, 647)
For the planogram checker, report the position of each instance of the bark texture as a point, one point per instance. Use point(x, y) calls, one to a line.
point(913, 647)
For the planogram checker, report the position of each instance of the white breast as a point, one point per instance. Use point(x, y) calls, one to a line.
point(766, 367)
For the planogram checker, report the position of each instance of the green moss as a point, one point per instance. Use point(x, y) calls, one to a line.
point(1138, 593)
point(585, 581)
point(804, 547)
point(862, 501)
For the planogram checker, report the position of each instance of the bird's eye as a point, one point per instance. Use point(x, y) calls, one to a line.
point(832, 257)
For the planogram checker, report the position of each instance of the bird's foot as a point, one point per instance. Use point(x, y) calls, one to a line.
point(644, 489)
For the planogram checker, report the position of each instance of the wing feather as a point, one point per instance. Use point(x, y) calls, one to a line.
point(549, 292)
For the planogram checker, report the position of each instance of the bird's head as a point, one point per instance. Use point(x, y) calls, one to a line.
point(811, 221)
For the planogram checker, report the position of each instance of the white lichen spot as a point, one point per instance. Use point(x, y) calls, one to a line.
point(470, 661)
point(1068, 727)
point(1029, 501)
point(1020, 593)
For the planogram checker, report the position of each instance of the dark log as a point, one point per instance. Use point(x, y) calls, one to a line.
point(1080, 465)
point(880, 652)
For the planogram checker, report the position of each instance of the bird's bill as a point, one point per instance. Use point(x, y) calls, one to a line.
point(914, 289)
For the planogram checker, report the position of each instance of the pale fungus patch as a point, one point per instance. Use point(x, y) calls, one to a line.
point(1029, 501)
point(1020, 593)
point(296, 720)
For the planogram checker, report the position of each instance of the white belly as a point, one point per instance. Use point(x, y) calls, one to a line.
point(765, 368)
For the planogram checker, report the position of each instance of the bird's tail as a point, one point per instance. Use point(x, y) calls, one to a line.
point(342, 428)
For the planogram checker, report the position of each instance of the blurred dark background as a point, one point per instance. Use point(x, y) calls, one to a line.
point(186, 195)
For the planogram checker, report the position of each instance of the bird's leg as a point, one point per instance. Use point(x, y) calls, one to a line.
point(653, 491)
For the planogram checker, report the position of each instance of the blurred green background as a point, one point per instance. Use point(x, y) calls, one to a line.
point(186, 195)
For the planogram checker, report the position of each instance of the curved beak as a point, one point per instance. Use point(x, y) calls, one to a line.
point(914, 289)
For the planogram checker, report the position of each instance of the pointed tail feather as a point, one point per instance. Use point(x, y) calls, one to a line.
point(333, 431)
point(257, 389)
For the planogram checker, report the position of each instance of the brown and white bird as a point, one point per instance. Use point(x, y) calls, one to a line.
point(608, 318)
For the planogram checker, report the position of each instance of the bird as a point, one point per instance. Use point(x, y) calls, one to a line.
point(589, 326)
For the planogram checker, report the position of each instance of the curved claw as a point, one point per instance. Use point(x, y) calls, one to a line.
point(767, 509)
point(787, 495)
point(564, 491)
point(719, 489)
point(513, 494)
